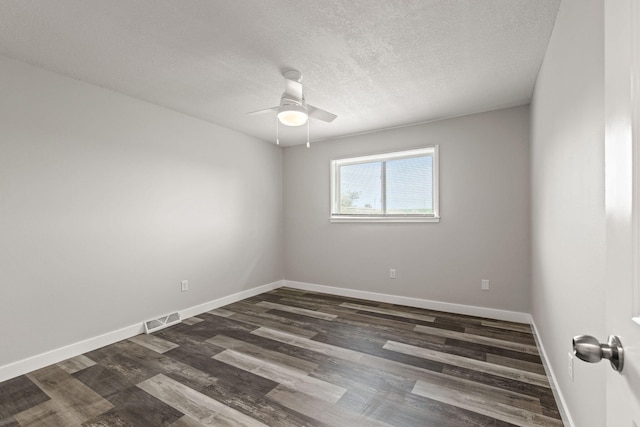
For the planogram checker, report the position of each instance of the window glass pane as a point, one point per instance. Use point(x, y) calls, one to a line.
point(400, 186)
point(361, 189)
point(410, 186)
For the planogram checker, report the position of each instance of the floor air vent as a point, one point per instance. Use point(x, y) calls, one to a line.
point(161, 322)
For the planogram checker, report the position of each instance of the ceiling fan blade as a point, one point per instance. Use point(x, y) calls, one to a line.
point(320, 114)
point(265, 110)
point(293, 89)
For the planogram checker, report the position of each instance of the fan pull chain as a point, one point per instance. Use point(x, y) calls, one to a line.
point(308, 143)
point(277, 131)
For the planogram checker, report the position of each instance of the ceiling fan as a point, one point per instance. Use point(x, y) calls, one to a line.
point(293, 110)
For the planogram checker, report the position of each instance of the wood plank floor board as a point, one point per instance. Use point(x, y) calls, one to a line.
point(385, 330)
point(370, 338)
point(386, 397)
point(290, 358)
point(49, 414)
point(303, 322)
point(367, 339)
point(357, 318)
point(519, 327)
point(451, 324)
point(502, 334)
point(412, 411)
point(445, 317)
point(250, 339)
point(543, 394)
point(377, 349)
point(462, 336)
point(454, 385)
point(8, 422)
point(271, 356)
point(192, 320)
point(245, 308)
point(258, 406)
point(391, 313)
point(274, 322)
point(214, 325)
point(308, 344)
point(311, 303)
point(135, 407)
point(76, 364)
point(155, 343)
point(222, 370)
point(172, 367)
point(516, 363)
point(478, 365)
point(103, 380)
point(440, 316)
point(301, 301)
point(197, 405)
point(186, 421)
point(498, 410)
point(353, 339)
point(221, 312)
point(297, 310)
point(268, 297)
point(437, 323)
point(18, 394)
point(362, 378)
point(131, 369)
point(284, 375)
point(308, 355)
point(71, 402)
point(322, 411)
point(177, 334)
point(492, 349)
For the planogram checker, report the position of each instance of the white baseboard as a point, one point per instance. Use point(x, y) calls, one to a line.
point(24, 366)
point(492, 313)
point(557, 393)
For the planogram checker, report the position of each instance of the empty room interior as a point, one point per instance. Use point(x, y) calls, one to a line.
point(298, 213)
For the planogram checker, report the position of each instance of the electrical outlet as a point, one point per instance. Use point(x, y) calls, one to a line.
point(570, 365)
point(184, 285)
point(485, 285)
point(392, 273)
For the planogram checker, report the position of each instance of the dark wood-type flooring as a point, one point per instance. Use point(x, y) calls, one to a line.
point(294, 358)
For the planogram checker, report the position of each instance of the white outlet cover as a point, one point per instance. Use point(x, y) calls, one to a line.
point(485, 285)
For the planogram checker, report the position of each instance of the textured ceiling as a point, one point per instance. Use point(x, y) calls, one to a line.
point(375, 63)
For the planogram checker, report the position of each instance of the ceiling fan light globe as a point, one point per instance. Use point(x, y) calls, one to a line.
point(293, 115)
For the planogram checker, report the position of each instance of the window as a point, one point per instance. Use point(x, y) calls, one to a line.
point(401, 186)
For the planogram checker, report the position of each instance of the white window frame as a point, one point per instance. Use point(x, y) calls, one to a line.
point(416, 152)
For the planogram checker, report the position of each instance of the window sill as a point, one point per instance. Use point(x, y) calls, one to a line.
point(382, 219)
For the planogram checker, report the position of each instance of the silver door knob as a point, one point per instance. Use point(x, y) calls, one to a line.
point(587, 348)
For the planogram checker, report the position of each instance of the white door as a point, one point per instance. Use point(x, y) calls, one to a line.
point(622, 203)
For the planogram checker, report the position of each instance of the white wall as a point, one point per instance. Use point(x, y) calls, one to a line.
point(483, 233)
point(107, 202)
point(568, 218)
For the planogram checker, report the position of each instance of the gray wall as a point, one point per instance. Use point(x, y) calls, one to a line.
point(483, 233)
point(106, 203)
point(568, 218)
